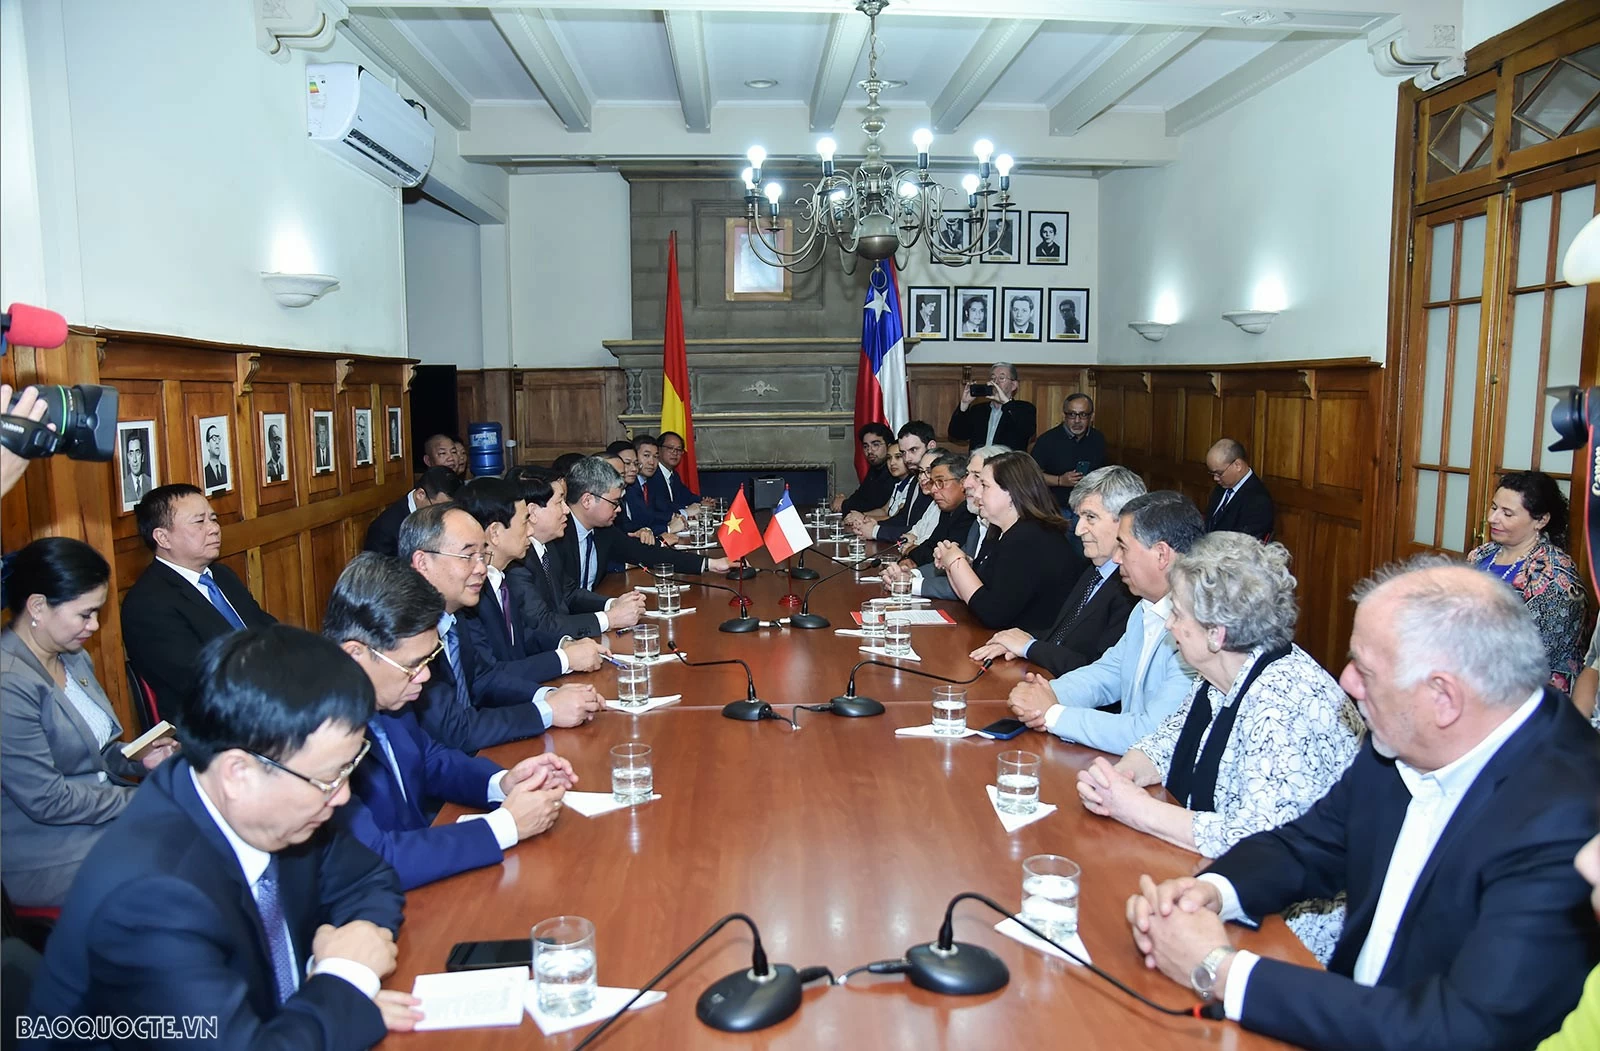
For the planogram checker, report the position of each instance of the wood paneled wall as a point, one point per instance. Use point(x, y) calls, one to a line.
point(934, 391)
point(287, 540)
point(547, 412)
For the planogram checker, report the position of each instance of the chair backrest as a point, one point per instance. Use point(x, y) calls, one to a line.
point(144, 698)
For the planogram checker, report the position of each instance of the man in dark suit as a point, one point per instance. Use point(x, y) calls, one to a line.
point(185, 597)
point(875, 487)
point(593, 544)
point(634, 518)
point(226, 879)
point(670, 449)
point(944, 476)
point(1452, 833)
point(136, 481)
point(1239, 501)
point(1096, 611)
point(437, 485)
point(546, 589)
point(999, 419)
point(465, 704)
point(658, 505)
point(216, 468)
point(386, 617)
point(918, 514)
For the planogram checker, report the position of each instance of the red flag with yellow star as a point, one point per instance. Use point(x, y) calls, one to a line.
point(738, 534)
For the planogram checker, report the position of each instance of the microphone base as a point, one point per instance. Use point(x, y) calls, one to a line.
point(807, 620)
point(739, 625)
point(742, 573)
point(748, 711)
point(789, 601)
point(803, 573)
point(740, 1003)
point(855, 707)
point(969, 970)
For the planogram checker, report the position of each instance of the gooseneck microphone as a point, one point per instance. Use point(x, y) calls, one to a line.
point(749, 710)
point(744, 621)
point(742, 1002)
point(852, 706)
point(807, 619)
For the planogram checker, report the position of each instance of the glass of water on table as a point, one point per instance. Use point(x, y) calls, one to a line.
point(950, 711)
point(632, 776)
point(1016, 782)
point(633, 684)
point(564, 972)
point(1050, 895)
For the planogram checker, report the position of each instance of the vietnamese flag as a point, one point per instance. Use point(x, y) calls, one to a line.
point(738, 534)
point(675, 412)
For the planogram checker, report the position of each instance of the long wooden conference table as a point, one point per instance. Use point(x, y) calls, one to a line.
point(843, 842)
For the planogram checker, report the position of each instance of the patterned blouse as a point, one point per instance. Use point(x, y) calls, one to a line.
point(1295, 734)
point(1551, 589)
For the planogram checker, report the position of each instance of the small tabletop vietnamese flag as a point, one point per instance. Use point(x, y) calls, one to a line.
point(786, 534)
point(738, 534)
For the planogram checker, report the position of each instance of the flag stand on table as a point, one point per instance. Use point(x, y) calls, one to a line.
point(785, 537)
point(738, 537)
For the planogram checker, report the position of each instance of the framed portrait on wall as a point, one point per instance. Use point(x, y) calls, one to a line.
point(1003, 231)
point(750, 276)
point(1068, 316)
point(929, 312)
point(363, 437)
point(974, 313)
point(321, 442)
point(1020, 320)
point(216, 454)
point(395, 440)
point(951, 237)
point(1047, 238)
point(136, 460)
point(274, 448)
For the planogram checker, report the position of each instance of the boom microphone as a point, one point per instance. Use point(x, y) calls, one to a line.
point(751, 709)
point(32, 327)
point(744, 621)
point(851, 706)
point(807, 619)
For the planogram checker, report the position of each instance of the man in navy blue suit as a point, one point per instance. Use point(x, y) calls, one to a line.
point(1452, 833)
point(224, 891)
point(670, 449)
point(386, 617)
point(633, 517)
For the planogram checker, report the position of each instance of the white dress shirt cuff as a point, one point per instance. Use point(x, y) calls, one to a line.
point(1053, 716)
point(916, 582)
point(603, 620)
point(547, 713)
point(1231, 910)
point(561, 655)
point(503, 825)
point(357, 974)
point(496, 794)
point(1244, 962)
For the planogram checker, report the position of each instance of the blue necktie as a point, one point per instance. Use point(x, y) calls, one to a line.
point(214, 593)
point(388, 753)
point(452, 650)
point(589, 569)
point(276, 930)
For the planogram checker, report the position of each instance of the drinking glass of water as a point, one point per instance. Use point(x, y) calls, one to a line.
point(858, 549)
point(900, 590)
point(1050, 895)
point(872, 614)
point(1016, 783)
point(949, 710)
point(564, 973)
point(632, 778)
point(667, 598)
point(646, 641)
point(896, 634)
point(664, 573)
point(633, 685)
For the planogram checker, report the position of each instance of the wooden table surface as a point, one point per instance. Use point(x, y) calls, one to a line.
point(843, 843)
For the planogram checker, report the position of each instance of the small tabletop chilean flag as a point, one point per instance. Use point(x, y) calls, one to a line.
point(786, 534)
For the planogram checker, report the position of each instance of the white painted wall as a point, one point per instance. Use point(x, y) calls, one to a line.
point(1482, 19)
point(1080, 198)
point(1293, 186)
point(570, 285)
point(444, 286)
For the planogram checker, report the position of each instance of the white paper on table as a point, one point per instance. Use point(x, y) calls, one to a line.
point(648, 706)
point(607, 1001)
point(658, 615)
point(1012, 822)
point(854, 633)
point(879, 651)
point(869, 580)
point(645, 589)
point(927, 731)
point(593, 804)
point(1017, 932)
point(922, 616)
point(471, 999)
point(660, 658)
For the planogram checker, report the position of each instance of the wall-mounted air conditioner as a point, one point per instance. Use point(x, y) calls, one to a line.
point(358, 117)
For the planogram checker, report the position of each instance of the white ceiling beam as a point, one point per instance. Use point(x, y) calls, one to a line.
point(530, 35)
point(1129, 66)
point(382, 41)
point(847, 35)
point(686, 39)
point(1295, 51)
point(1001, 41)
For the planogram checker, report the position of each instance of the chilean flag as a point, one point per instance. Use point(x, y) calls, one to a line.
point(785, 533)
point(881, 375)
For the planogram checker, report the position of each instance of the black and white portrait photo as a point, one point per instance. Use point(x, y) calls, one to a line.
point(974, 313)
point(274, 448)
point(394, 432)
point(216, 454)
point(1019, 314)
point(1047, 238)
point(1068, 316)
point(930, 312)
point(363, 430)
point(136, 460)
point(953, 232)
point(1000, 234)
point(321, 442)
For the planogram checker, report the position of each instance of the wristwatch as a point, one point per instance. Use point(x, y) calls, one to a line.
point(1204, 977)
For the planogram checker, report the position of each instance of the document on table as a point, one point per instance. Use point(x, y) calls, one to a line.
point(915, 616)
point(471, 999)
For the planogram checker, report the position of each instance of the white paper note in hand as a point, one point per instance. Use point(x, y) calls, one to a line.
point(607, 1001)
point(471, 999)
point(1012, 822)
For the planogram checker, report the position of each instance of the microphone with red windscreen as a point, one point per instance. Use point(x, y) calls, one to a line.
point(28, 326)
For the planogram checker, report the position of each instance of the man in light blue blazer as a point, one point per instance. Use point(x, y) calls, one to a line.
point(385, 615)
point(1143, 671)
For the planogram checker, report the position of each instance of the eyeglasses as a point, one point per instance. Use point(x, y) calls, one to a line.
point(1217, 474)
point(608, 500)
point(470, 556)
point(1079, 415)
point(329, 789)
point(416, 669)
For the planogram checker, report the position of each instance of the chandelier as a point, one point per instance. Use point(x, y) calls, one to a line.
point(877, 212)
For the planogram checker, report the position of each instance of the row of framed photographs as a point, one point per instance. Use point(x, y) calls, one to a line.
point(939, 313)
point(140, 471)
point(1046, 243)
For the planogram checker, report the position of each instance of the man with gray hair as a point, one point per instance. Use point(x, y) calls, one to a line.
point(1095, 614)
point(992, 415)
point(593, 544)
point(1143, 670)
point(1452, 833)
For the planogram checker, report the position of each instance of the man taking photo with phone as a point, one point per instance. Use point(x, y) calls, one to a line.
point(990, 414)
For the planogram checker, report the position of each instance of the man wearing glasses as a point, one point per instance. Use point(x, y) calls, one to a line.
point(1239, 501)
point(945, 476)
point(594, 544)
point(1068, 452)
point(227, 894)
point(386, 617)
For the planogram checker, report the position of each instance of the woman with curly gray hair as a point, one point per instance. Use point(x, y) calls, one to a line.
point(1264, 733)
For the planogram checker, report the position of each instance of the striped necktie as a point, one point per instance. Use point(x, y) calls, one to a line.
point(452, 651)
point(273, 925)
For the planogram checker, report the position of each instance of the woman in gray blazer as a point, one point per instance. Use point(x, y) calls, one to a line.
point(63, 777)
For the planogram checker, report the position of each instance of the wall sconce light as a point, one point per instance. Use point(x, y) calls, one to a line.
point(1154, 331)
point(1252, 321)
point(297, 290)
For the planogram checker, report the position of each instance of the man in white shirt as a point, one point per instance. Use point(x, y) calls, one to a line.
point(927, 579)
point(1452, 833)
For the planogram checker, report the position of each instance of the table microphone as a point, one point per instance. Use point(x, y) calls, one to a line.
point(851, 706)
point(742, 1002)
point(807, 619)
point(744, 621)
point(749, 710)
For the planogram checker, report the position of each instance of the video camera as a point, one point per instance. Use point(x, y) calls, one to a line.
point(84, 416)
point(1576, 416)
